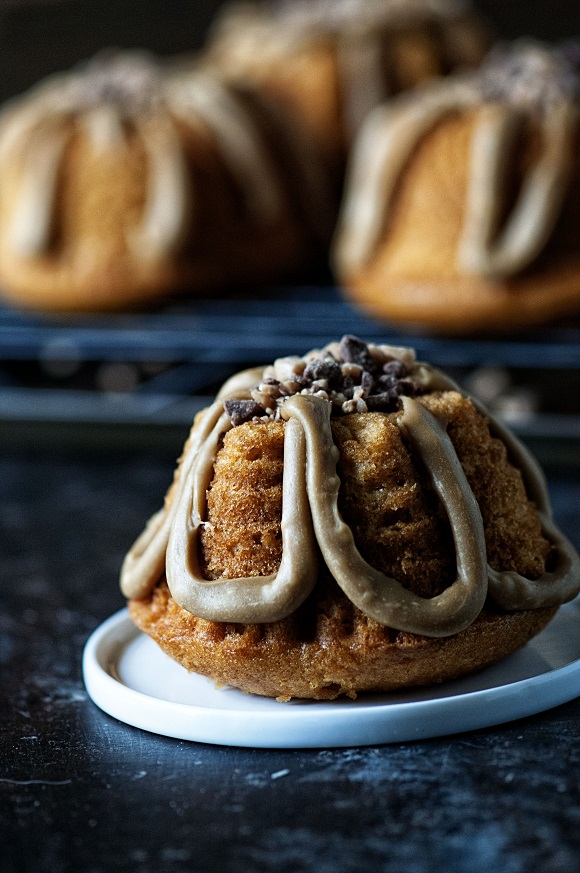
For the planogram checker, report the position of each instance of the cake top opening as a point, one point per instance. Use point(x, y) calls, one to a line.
point(352, 375)
point(334, 14)
point(288, 22)
point(532, 76)
point(129, 80)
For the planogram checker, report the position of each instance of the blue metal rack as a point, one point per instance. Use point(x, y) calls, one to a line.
point(279, 321)
point(194, 345)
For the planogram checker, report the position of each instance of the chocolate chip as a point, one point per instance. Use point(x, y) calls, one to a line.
point(384, 402)
point(367, 382)
point(241, 411)
point(354, 350)
point(325, 369)
point(395, 368)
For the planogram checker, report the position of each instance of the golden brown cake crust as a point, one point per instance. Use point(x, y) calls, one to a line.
point(328, 647)
point(385, 499)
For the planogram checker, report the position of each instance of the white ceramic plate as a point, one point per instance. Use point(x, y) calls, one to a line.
point(130, 678)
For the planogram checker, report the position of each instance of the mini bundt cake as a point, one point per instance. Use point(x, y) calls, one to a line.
point(123, 181)
point(348, 521)
point(331, 61)
point(462, 209)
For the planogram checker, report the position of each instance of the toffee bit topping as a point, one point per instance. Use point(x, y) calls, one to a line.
point(325, 369)
point(241, 411)
point(351, 375)
point(128, 80)
point(531, 75)
point(394, 369)
point(355, 351)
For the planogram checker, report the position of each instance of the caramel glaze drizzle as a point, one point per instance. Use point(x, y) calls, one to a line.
point(508, 588)
point(392, 133)
point(310, 516)
point(374, 593)
point(145, 562)
point(251, 599)
point(128, 92)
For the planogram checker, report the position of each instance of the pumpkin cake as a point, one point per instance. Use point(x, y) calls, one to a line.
point(348, 521)
point(123, 181)
point(461, 211)
point(330, 61)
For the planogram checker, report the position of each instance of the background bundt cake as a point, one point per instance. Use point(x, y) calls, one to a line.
point(330, 61)
point(122, 181)
point(346, 522)
point(461, 212)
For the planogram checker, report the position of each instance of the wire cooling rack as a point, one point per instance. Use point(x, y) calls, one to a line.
point(159, 367)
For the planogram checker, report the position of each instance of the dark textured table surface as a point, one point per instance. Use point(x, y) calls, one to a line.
point(81, 792)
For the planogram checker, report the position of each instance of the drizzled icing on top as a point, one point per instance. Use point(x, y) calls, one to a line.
point(109, 98)
point(528, 81)
point(311, 520)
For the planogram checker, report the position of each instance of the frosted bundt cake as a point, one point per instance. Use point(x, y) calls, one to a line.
point(331, 61)
point(344, 522)
point(122, 181)
point(462, 210)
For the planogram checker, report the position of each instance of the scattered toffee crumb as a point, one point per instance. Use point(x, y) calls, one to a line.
point(530, 74)
point(355, 351)
point(241, 411)
point(324, 369)
point(352, 377)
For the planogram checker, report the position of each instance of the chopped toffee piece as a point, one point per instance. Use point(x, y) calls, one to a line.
point(353, 375)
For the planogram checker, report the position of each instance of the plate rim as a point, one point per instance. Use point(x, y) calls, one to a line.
point(361, 723)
